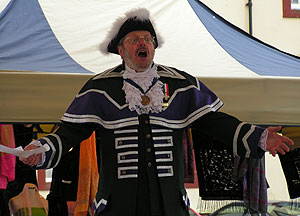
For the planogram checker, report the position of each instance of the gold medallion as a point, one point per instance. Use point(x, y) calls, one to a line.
point(145, 100)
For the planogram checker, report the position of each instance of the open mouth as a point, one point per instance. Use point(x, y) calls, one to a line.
point(142, 54)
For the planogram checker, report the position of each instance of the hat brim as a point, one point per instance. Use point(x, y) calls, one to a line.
point(131, 25)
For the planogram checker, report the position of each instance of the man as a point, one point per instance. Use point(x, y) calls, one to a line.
point(141, 109)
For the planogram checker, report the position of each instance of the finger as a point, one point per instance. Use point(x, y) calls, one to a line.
point(273, 153)
point(27, 161)
point(285, 139)
point(36, 160)
point(274, 129)
point(30, 158)
point(284, 147)
point(30, 147)
point(281, 151)
point(24, 160)
point(32, 162)
point(288, 141)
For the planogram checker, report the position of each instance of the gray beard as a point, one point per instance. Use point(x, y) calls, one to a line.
point(134, 66)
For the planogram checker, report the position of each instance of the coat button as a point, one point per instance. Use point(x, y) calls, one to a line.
point(148, 149)
point(149, 164)
point(146, 121)
point(148, 136)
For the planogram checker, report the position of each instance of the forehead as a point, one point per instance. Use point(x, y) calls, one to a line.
point(138, 33)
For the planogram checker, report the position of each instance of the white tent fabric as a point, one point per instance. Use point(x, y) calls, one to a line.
point(80, 26)
point(175, 20)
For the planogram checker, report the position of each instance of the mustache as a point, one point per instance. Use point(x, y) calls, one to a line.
point(143, 48)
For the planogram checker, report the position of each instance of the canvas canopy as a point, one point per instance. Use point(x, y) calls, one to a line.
point(48, 49)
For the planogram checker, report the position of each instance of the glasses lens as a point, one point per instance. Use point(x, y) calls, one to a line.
point(134, 40)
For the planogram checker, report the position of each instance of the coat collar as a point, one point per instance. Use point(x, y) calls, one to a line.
point(118, 71)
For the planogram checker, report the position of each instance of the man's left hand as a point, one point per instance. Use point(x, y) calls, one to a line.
point(277, 143)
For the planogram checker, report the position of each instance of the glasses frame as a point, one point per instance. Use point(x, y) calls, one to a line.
point(136, 39)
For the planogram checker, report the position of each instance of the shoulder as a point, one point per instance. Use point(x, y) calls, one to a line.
point(116, 71)
point(175, 74)
point(106, 79)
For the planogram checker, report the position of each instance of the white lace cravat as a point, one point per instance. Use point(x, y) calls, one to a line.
point(144, 80)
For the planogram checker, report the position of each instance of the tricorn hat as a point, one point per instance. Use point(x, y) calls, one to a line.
point(134, 20)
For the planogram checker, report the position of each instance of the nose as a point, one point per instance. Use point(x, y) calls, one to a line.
point(142, 41)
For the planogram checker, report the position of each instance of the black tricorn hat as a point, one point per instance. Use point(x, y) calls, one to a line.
point(135, 20)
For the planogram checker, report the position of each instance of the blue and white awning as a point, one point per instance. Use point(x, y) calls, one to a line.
point(48, 49)
point(41, 35)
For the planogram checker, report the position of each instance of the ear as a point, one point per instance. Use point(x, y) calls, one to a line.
point(120, 50)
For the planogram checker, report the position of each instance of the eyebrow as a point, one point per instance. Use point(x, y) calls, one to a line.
point(140, 35)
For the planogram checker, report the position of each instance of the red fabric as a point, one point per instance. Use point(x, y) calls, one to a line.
point(7, 161)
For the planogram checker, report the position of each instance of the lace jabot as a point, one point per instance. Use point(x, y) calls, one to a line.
point(144, 80)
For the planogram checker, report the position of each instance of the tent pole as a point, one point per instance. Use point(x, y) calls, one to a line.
point(249, 4)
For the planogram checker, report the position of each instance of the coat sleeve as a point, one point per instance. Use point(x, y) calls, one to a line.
point(242, 137)
point(60, 142)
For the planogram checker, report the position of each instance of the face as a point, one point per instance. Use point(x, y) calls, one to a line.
point(137, 54)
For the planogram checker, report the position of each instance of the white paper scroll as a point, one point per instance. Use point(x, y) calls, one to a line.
point(19, 151)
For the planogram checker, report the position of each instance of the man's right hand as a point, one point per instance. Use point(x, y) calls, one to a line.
point(32, 160)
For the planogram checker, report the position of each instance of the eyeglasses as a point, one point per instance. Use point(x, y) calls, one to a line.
point(136, 39)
